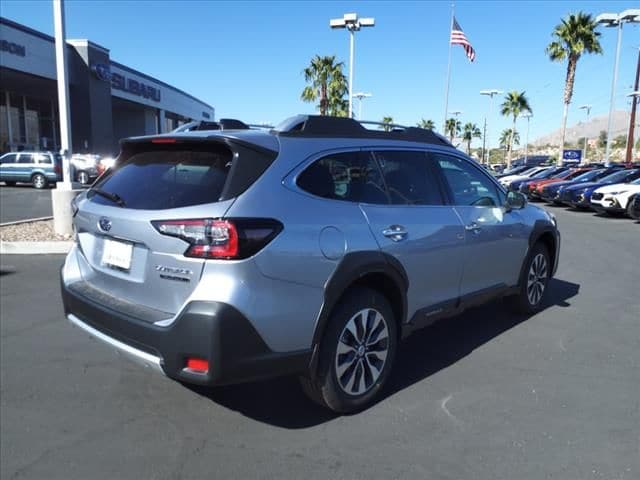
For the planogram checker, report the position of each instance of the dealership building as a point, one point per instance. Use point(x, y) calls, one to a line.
point(108, 100)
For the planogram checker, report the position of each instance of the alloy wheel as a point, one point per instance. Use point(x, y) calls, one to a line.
point(362, 351)
point(537, 279)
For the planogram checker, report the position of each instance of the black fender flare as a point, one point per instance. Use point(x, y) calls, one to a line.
point(351, 268)
point(541, 228)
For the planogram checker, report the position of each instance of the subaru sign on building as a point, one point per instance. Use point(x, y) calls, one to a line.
point(108, 100)
point(572, 156)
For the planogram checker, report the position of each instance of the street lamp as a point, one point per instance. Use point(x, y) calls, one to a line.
point(635, 96)
point(631, 15)
point(351, 22)
point(360, 96)
point(526, 143)
point(586, 108)
point(490, 93)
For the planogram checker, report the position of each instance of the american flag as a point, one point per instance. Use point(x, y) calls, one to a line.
point(459, 38)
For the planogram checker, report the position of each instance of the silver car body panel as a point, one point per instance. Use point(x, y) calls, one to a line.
point(281, 288)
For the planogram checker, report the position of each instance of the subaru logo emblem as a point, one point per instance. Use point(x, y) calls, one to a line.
point(105, 224)
point(101, 71)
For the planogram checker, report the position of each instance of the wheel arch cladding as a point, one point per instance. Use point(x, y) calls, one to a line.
point(544, 233)
point(372, 269)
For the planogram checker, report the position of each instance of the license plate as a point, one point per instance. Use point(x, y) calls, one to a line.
point(117, 254)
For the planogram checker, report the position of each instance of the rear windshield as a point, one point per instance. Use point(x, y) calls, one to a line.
point(168, 178)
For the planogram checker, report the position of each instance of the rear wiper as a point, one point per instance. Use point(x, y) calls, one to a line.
point(114, 197)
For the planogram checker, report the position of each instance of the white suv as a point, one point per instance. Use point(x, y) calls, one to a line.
point(614, 198)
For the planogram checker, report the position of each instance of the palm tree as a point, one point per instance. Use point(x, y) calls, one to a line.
point(573, 36)
point(452, 128)
point(515, 103)
point(426, 124)
point(509, 137)
point(469, 132)
point(387, 124)
point(328, 85)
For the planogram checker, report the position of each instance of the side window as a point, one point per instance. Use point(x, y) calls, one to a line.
point(43, 158)
point(25, 158)
point(408, 178)
point(347, 176)
point(468, 184)
point(9, 158)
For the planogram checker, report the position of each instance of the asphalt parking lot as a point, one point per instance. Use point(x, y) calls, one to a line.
point(22, 202)
point(485, 395)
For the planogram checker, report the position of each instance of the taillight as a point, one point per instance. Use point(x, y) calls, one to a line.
point(57, 168)
point(221, 239)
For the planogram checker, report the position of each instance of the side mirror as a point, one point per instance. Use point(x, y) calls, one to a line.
point(515, 200)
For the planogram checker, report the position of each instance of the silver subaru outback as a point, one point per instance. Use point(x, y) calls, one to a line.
point(312, 249)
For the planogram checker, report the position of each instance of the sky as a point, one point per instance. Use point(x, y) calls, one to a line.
point(246, 58)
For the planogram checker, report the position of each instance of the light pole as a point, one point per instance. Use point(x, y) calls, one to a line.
point(586, 108)
point(351, 22)
point(631, 15)
point(360, 96)
point(489, 93)
point(62, 195)
point(635, 96)
point(526, 142)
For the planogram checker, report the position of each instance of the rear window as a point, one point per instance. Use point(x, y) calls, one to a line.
point(169, 178)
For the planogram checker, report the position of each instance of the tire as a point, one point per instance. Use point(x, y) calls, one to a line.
point(363, 327)
point(39, 181)
point(10, 184)
point(533, 282)
point(629, 205)
point(83, 177)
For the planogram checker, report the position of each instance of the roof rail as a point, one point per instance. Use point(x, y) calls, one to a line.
point(327, 126)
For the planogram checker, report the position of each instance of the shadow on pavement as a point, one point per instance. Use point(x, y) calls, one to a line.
point(280, 402)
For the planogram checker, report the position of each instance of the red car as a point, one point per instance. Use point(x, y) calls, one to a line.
point(535, 188)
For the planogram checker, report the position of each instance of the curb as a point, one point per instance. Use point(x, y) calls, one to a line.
point(26, 220)
point(35, 248)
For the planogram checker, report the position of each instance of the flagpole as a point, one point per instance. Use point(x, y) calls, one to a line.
point(446, 92)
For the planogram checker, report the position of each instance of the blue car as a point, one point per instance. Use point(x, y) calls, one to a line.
point(40, 169)
point(579, 196)
point(553, 191)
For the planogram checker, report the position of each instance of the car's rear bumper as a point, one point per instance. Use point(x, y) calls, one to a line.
point(212, 331)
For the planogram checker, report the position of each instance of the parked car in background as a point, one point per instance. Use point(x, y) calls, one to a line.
point(220, 256)
point(40, 169)
point(615, 198)
point(105, 163)
point(634, 208)
point(85, 167)
point(506, 181)
point(534, 188)
point(517, 185)
point(552, 192)
point(513, 171)
point(579, 196)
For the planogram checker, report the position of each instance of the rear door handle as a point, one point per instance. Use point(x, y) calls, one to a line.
point(395, 232)
point(473, 227)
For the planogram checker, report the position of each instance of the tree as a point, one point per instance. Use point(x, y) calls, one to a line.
point(469, 132)
point(620, 141)
point(452, 128)
point(508, 138)
point(387, 121)
point(327, 85)
point(602, 139)
point(426, 124)
point(574, 36)
point(515, 103)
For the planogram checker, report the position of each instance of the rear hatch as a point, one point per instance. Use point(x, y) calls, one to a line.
point(135, 225)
